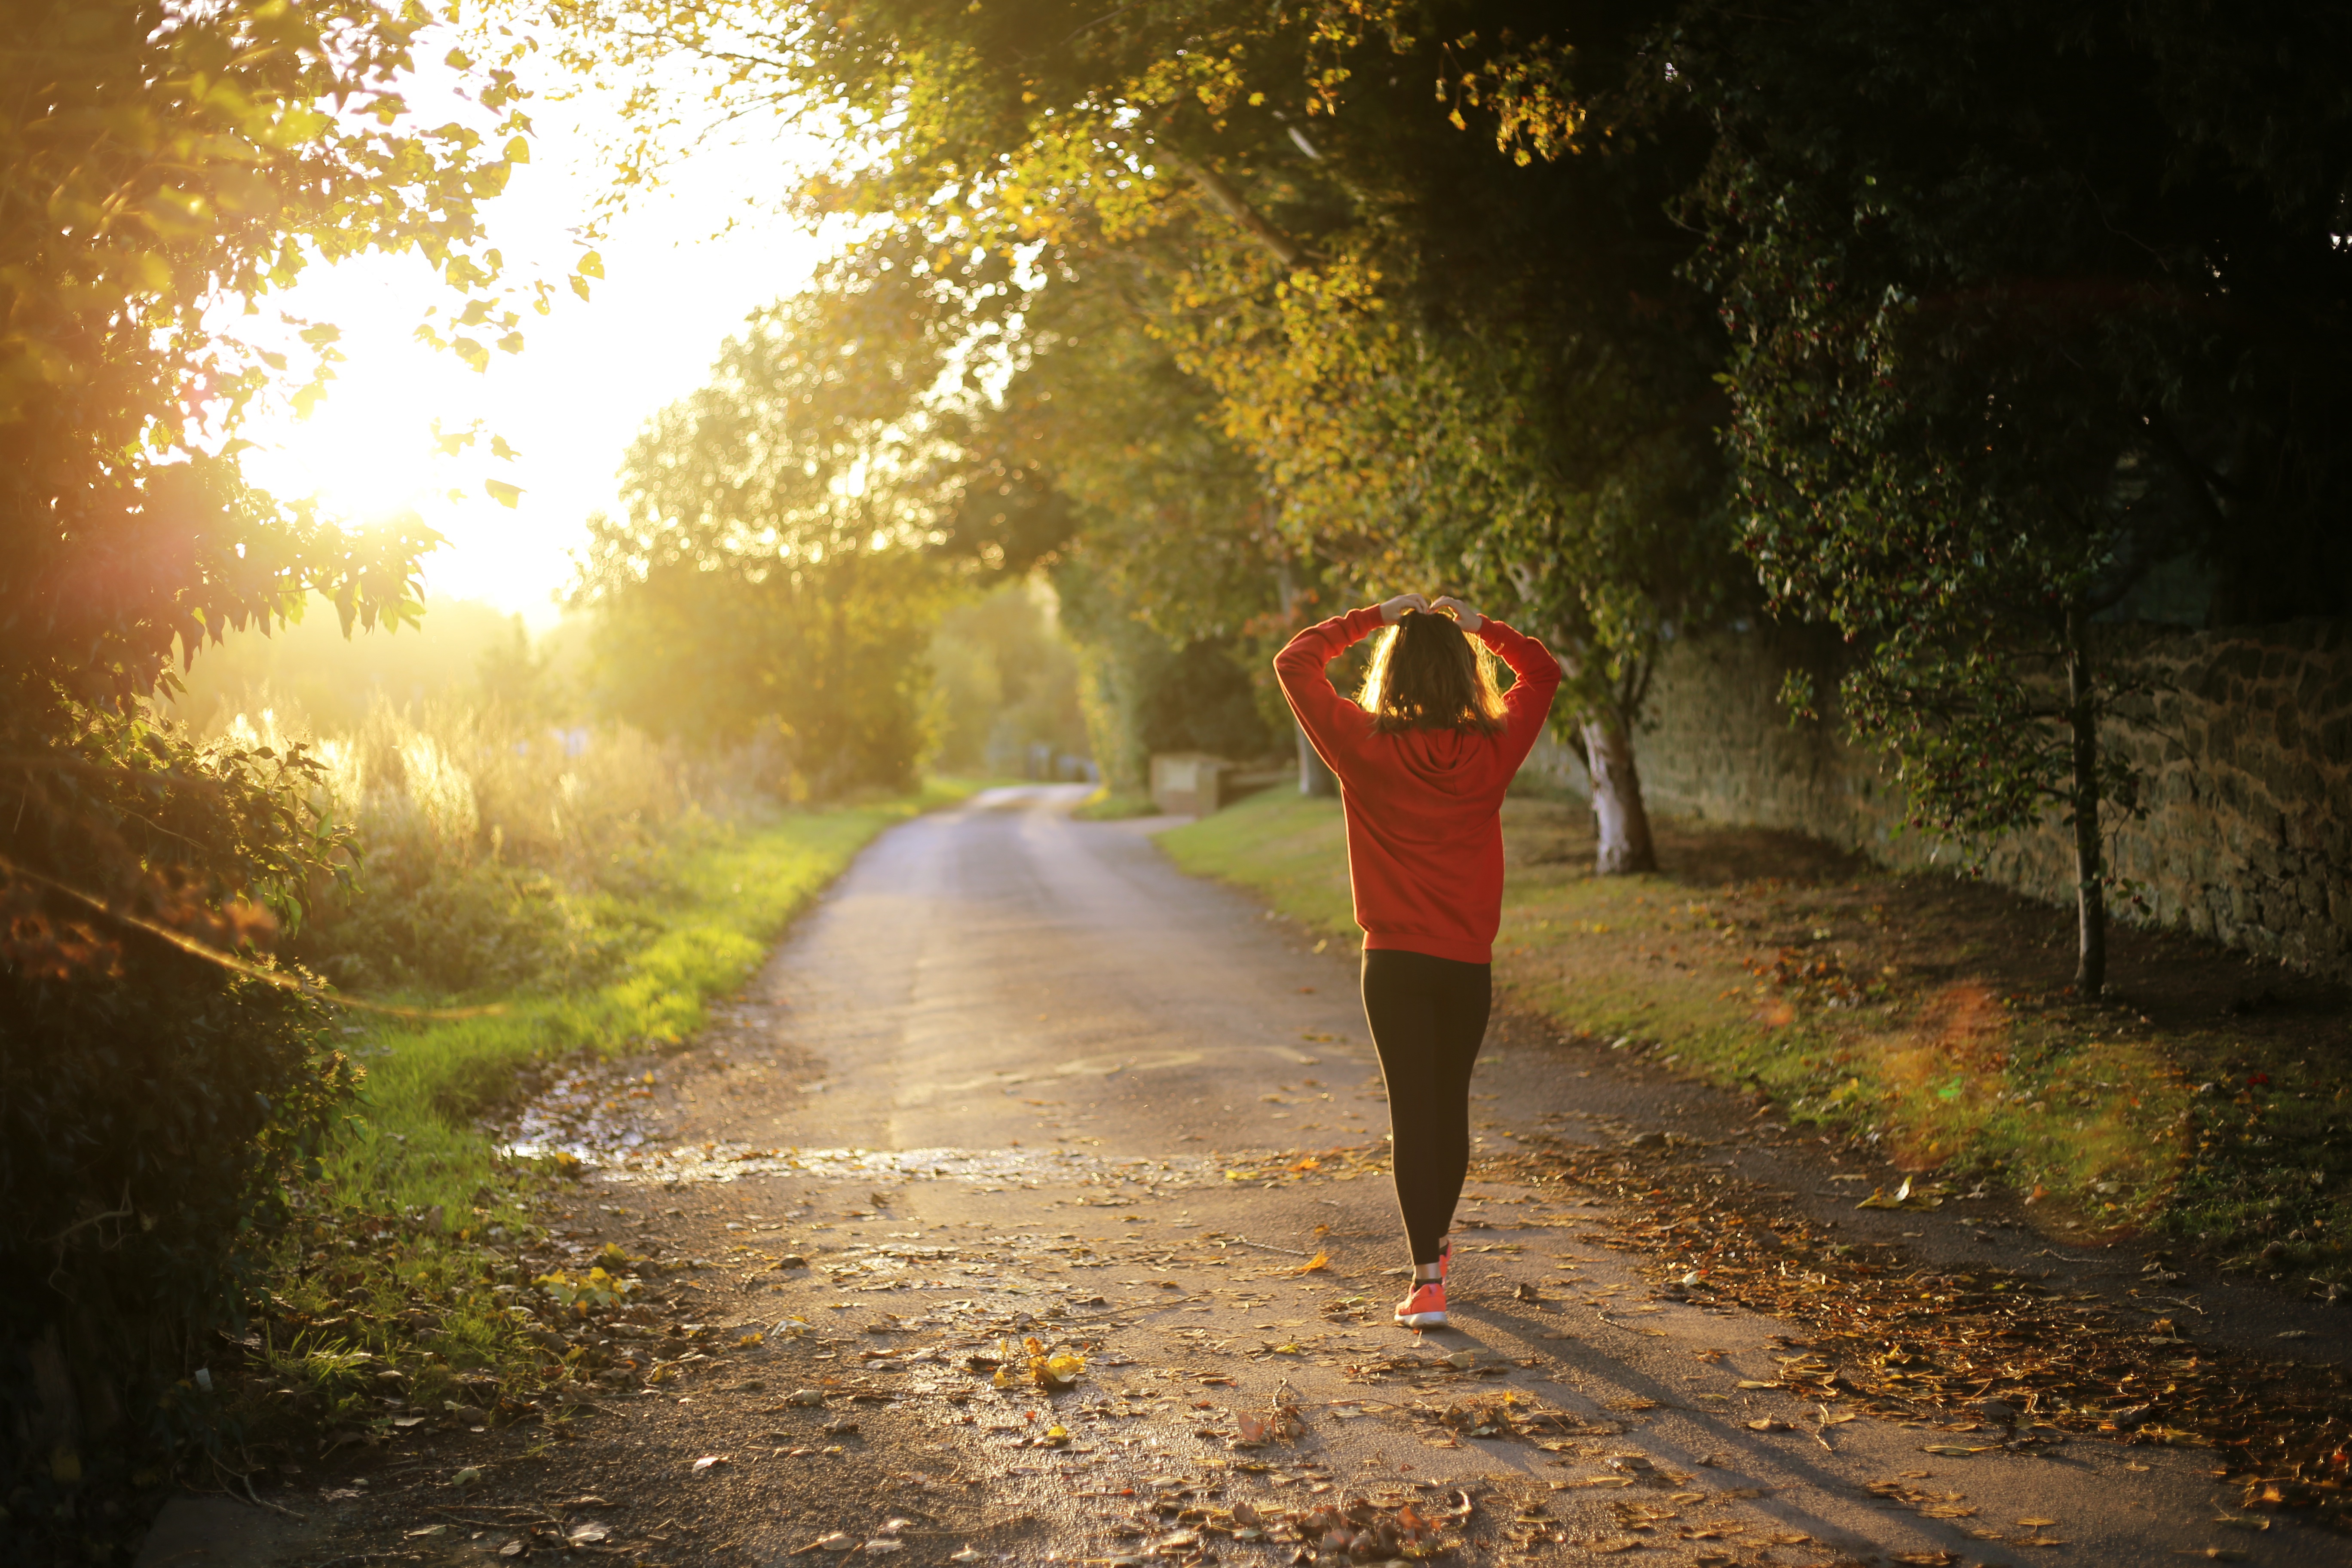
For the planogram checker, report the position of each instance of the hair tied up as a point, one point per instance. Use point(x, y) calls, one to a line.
point(1428, 674)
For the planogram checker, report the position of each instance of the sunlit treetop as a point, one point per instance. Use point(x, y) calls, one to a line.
point(165, 169)
point(1011, 121)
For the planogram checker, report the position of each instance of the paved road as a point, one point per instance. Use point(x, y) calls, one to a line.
point(977, 961)
point(1003, 973)
point(993, 1086)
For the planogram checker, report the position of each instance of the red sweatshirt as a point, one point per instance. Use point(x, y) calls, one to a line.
point(1424, 839)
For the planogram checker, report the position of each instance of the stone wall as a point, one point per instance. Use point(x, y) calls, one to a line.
point(2245, 743)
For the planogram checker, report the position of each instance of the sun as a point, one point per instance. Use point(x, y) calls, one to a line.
point(366, 449)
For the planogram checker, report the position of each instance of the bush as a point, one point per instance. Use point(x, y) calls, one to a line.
point(496, 856)
point(146, 1122)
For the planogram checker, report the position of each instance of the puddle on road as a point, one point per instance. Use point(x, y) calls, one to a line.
point(726, 1161)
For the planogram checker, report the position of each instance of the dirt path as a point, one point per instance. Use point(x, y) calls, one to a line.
point(1016, 1077)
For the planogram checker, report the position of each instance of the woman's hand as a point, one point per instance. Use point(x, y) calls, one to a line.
point(1470, 619)
point(1392, 610)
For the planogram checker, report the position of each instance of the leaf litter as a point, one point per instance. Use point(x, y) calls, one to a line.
point(2035, 1364)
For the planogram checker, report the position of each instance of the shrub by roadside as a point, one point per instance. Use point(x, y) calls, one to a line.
point(2201, 1100)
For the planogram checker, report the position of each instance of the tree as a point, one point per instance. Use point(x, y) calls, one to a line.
point(1449, 362)
point(1171, 577)
point(2025, 304)
point(772, 578)
point(162, 167)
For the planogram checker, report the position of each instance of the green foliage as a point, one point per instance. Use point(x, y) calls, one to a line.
point(1004, 678)
point(2007, 337)
point(772, 581)
point(1144, 693)
point(155, 165)
point(164, 170)
point(1429, 355)
point(143, 1129)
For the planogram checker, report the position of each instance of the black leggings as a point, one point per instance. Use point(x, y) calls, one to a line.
point(1428, 1016)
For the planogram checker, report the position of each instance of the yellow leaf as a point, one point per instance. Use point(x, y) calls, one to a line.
point(502, 492)
point(1319, 1261)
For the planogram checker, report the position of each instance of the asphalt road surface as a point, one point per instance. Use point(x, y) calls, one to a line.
point(1014, 1076)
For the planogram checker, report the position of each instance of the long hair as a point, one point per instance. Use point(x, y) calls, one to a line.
point(1427, 674)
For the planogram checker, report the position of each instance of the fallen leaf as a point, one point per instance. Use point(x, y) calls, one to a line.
point(882, 1548)
point(2037, 1523)
point(1770, 1424)
point(708, 1461)
point(588, 1534)
point(1321, 1260)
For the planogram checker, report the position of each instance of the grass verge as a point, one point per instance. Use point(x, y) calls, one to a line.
point(397, 1299)
point(1105, 806)
point(2203, 1099)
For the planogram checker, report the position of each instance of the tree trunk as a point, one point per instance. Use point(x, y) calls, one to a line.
point(2090, 894)
point(1315, 778)
point(1617, 809)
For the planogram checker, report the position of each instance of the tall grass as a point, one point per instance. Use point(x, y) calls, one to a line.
point(496, 854)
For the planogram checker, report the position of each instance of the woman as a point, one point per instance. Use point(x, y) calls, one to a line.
point(1423, 758)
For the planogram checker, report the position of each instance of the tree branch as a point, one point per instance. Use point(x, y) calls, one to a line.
point(1230, 202)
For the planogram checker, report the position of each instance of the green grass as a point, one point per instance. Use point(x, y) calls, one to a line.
point(716, 914)
point(1105, 806)
point(395, 1259)
point(1907, 1012)
point(1292, 849)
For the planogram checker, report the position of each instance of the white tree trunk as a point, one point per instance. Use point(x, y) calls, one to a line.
point(1617, 809)
point(1315, 777)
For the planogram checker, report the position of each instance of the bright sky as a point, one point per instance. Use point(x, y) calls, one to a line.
point(674, 287)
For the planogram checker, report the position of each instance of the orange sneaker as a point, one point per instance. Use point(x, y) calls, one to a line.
point(1425, 1307)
